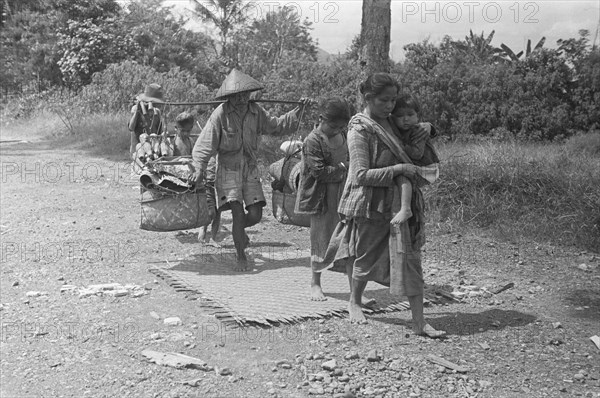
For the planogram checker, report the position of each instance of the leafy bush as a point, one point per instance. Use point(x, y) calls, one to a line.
point(114, 88)
point(301, 78)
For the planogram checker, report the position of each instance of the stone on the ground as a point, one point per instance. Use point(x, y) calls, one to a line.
point(173, 321)
point(154, 315)
point(117, 292)
point(105, 286)
point(35, 294)
point(329, 365)
point(225, 371)
point(373, 356)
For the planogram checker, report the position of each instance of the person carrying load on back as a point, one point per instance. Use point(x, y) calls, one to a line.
point(232, 133)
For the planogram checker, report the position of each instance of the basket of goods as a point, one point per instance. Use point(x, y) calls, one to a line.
point(286, 175)
point(169, 202)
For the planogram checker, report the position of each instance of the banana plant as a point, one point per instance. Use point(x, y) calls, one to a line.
point(512, 57)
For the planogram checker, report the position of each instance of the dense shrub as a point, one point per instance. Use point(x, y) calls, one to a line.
point(301, 78)
point(114, 88)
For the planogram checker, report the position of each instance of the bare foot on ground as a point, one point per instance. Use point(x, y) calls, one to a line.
point(356, 314)
point(242, 263)
point(429, 331)
point(316, 293)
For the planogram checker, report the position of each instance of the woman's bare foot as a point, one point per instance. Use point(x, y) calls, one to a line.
point(356, 314)
point(402, 216)
point(316, 293)
point(428, 331)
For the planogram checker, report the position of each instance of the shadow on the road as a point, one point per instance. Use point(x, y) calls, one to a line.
point(468, 324)
point(220, 261)
point(586, 303)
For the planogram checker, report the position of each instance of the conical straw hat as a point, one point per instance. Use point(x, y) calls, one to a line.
point(237, 82)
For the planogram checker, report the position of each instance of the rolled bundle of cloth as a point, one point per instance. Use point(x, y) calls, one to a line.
point(286, 172)
point(161, 182)
point(167, 175)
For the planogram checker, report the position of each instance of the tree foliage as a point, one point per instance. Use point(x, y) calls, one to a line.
point(276, 38)
point(467, 87)
point(162, 42)
point(88, 47)
point(226, 16)
point(467, 90)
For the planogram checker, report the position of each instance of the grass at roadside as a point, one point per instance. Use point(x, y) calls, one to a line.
point(535, 191)
point(544, 192)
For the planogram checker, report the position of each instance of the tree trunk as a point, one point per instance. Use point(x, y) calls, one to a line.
point(375, 36)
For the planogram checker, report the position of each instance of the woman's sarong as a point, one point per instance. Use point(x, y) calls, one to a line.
point(322, 227)
point(373, 250)
point(406, 273)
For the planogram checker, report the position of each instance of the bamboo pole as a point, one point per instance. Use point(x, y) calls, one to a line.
point(271, 101)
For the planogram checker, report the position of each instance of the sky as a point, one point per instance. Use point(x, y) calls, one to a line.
point(335, 23)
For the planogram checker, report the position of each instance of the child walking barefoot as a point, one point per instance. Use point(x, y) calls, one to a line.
point(324, 169)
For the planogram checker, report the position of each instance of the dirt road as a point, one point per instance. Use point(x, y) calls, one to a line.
point(69, 221)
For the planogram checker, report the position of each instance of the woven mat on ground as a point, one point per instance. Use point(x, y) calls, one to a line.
point(276, 291)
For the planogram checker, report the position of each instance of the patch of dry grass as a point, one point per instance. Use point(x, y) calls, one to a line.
point(544, 192)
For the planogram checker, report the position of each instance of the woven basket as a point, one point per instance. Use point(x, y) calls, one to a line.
point(283, 209)
point(163, 212)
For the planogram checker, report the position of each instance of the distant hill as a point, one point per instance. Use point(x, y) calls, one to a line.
point(323, 57)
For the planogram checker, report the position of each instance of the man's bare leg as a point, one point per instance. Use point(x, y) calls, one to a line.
point(253, 217)
point(239, 235)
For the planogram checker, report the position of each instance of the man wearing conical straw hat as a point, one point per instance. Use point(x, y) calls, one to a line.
point(232, 133)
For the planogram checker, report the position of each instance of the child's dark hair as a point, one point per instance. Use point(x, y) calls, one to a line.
point(184, 119)
point(377, 82)
point(335, 110)
point(407, 101)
